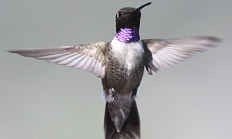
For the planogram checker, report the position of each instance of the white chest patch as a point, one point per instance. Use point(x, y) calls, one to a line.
point(128, 52)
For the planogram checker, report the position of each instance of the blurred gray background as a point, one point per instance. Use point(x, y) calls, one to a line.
point(39, 100)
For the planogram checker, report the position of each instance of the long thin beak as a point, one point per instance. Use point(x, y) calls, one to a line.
point(140, 7)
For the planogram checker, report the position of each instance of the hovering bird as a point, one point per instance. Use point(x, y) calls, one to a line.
point(120, 65)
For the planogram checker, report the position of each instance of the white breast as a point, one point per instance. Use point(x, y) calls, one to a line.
point(128, 52)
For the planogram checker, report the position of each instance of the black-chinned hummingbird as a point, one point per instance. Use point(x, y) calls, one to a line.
point(120, 64)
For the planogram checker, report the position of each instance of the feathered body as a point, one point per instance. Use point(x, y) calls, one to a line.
point(124, 72)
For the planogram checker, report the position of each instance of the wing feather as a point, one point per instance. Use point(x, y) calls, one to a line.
point(88, 57)
point(164, 53)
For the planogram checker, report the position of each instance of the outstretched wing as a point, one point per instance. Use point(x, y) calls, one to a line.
point(90, 57)
point(164, 53)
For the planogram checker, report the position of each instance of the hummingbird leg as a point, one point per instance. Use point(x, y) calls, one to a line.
point(111, 96)
point(114, 95)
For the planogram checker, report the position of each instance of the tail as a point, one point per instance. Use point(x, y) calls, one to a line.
point(130, 129)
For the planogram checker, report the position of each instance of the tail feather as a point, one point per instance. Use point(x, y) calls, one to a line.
point(130, 129)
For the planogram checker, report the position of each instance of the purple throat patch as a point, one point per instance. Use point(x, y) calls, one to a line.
point(128, 35)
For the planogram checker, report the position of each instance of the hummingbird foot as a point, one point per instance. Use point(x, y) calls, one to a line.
point(112, 96)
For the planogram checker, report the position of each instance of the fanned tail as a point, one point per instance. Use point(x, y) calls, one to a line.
point(130, 129)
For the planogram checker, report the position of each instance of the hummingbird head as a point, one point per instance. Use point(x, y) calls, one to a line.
point(129, 17)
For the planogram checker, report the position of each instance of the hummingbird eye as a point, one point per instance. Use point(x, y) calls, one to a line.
point(119, 14)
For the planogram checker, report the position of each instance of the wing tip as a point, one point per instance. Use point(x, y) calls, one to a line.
point(19, 51)
point(15, 51)
point(11, 51)
point(213, 39)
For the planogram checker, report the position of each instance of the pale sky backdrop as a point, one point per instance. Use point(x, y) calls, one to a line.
point(39, 100)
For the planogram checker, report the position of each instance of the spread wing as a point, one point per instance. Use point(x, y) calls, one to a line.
point(164, 53)
point(90, 57)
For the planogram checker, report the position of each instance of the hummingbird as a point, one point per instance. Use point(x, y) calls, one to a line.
point(120, 64)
